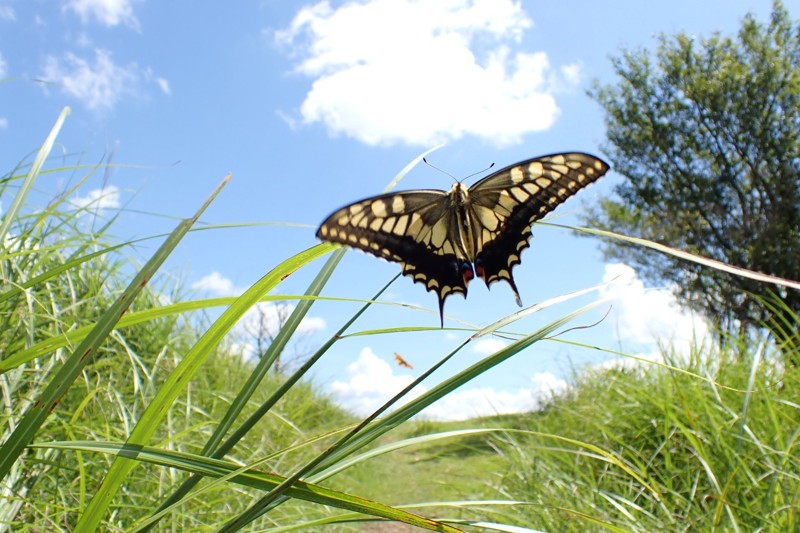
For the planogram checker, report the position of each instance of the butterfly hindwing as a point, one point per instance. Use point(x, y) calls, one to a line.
point(438, 236)
point(413, 228)
point(507, 202)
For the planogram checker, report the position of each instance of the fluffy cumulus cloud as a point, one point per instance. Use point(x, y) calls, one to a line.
point(106, 12)
point(372, 381)
point(217, 284)
point(97, 200)
point(649, 317)
point(99, 83)
point(488, 346)
point(404, 71)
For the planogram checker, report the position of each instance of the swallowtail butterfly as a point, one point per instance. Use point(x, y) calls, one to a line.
point(443, 239)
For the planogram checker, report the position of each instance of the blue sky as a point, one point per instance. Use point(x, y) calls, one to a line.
point(314, 105)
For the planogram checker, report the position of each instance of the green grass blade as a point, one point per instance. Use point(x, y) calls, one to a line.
point(178, 379)
point(27, 184)
point(35, 416)
point(700, 260)
point(249, 477)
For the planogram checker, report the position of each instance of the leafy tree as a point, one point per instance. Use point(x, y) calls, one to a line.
point(707, 134)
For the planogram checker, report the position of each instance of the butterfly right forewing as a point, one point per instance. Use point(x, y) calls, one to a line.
point(506, 203)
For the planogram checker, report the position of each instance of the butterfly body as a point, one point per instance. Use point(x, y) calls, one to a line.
point(444, 239)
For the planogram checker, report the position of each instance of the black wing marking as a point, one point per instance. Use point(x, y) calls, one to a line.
point(417, 229)
point(506, 203)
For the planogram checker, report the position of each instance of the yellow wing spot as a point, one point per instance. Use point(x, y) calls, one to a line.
point(352, 238)
point(363, 241)
point(433, 284)
point(398, 204)
point(562, 191)
point(505, 201)
point(561, 169)
point(543, 182)
point(504, 274)
point(447, 248)
point(531, 187)
point(487, 217)
point(355, 219)
point(324, 231)
point(401, 225)
point(558, 160)
point(374, 245)
point(375, 225)
point(333, 232)
point(520, 194)
point(388, 225)
point(517, 175)
point(439, 233)
point(379, 208)
point(416, 225)
point(535, 168)
point(356, 208)
point(363, 222)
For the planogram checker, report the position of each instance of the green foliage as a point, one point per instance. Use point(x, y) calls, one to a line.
point(707, 135)
point(719, 453)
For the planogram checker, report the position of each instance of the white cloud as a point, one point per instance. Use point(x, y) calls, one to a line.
point(7, 13)
point(98, 199)
point(487, 401)
point(217, 284)
point(106, 12)
point(488, 346)
point(99, 84)
point(649, 317)
point(372, 381)
point(163, 84)
point(389, 71)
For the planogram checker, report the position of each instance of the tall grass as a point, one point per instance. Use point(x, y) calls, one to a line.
point(710, 444)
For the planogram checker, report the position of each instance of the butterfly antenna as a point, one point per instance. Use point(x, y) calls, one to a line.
point(487, 169)
point(425, 160)
point(454, 178)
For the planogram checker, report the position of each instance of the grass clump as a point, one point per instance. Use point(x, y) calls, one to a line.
point(708, 444)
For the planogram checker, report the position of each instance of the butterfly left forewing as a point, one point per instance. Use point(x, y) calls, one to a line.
point(506, 203)
point(413, 228)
